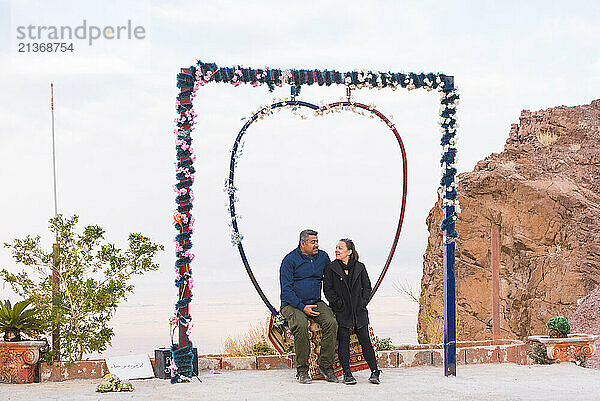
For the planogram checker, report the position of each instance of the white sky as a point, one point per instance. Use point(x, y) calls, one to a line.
point(341, 175)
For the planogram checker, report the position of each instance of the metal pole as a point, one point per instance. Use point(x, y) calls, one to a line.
point(495, 281)
point(55, 289)
point(55, 246)
point(449, 301)
point(53, 148)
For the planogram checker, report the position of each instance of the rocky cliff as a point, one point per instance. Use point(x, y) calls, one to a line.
point(543, 191)
point(586, 319)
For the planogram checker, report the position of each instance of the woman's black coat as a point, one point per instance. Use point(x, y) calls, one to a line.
point(347, 300)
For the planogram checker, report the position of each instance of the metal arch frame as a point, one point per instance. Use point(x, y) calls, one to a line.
point(210, 72)
point(231, 184)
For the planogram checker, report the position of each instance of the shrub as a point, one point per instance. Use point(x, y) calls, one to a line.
point(558, 327)
point(537, 352)
point(384, 344)
point(262, 348)
point(95, 277)
point(251, 343)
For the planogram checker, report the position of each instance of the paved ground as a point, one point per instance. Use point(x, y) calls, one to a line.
point(474, 382)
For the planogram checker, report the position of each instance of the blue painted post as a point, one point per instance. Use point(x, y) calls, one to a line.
point(449, 301)
point(450, 206)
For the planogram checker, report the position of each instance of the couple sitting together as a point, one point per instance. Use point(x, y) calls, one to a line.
point(346, 286)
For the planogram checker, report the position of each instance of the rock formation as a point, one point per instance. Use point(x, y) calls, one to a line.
point(543, 191)
point(586, 319)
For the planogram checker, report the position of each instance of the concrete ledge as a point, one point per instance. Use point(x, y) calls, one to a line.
point(274, 362)
point(409, 355)
point(467, 352)
point(438, 357)
point(412, 347)
point(61, 371)
point(209, 363)
point(387, 359)
point(238, 363)
point(514, 354)
point(418, 357)
point(488, 354)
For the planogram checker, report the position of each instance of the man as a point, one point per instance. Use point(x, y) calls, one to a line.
point(300, 277)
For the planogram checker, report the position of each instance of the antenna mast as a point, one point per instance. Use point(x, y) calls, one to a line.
point(53, 148)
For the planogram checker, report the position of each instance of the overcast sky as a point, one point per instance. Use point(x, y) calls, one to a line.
point(340, 175)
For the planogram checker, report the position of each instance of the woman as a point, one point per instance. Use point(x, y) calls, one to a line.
point(347, 288)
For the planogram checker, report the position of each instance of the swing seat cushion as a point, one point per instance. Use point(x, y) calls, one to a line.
point(282, 341)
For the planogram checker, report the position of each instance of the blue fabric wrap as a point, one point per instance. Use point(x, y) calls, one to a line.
point(183, 358)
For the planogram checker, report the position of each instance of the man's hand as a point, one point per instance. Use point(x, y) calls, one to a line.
point(308, 309)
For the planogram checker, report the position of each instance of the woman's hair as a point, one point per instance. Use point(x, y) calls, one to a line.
point(350, 245)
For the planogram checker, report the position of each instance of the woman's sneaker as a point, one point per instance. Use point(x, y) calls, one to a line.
point(375, 377)
point(349, 379)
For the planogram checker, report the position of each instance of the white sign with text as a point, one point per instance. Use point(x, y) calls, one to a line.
point(130, 366)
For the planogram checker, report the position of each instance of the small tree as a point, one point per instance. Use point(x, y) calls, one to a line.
point(95, 277)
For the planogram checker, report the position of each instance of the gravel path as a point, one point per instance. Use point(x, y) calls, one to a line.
point(474, 382)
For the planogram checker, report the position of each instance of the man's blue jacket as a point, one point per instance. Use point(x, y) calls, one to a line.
point(300, 278)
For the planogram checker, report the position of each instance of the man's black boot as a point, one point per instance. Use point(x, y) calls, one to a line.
point(329, 375)
point(375, 377)
point(303, 378)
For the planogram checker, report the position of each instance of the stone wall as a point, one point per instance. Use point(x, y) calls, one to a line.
point(404, 356)
point(543, 191)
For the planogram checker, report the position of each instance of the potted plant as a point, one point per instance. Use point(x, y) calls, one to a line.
point(560, 345)
point(19, 356)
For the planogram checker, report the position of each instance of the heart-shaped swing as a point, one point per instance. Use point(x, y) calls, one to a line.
point(231, 189)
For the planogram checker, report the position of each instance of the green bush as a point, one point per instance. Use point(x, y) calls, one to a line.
point(384, 344)
point(537, 352)
point(262, 348)
point(559, 326)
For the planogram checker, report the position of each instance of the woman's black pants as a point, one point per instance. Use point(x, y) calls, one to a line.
point(365, 343)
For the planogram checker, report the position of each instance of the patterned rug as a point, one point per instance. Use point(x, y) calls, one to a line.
point(282, 340)
point(280, 335)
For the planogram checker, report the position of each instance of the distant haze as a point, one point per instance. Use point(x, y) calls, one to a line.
point(339, 174)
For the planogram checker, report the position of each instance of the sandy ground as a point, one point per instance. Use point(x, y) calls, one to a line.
point(476, 382)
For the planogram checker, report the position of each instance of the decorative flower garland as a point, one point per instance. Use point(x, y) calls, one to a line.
point(190, 79)
point(182, 357)
point(210, 72)
point(449, 181)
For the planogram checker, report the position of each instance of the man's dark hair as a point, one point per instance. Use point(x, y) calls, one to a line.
point(305, 233)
